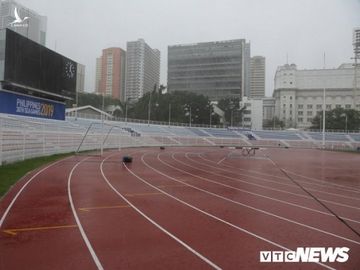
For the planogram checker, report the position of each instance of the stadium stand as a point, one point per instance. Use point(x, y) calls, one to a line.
point(25, 137)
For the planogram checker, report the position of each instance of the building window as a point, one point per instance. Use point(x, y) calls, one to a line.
point(348, 106)
point(290, 105)
point(328, 106)
point(284, 112)
point(284, 105)
point(301, 113)
point(290, 112)
point(309, 106)
point(309, 113)
point(308, 119)
point(337, 106)
point(300, 106)
point(290, 82)
point(318, 106)
point(300, 120)
point(290, 97)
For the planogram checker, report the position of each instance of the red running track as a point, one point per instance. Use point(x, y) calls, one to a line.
point(181, 208)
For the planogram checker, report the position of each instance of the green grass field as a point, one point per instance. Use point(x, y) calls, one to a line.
point(11, 173)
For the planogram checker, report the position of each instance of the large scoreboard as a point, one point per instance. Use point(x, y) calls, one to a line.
point(35, 81)
point(25, 64)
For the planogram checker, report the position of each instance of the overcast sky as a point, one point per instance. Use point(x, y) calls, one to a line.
point(302, 29)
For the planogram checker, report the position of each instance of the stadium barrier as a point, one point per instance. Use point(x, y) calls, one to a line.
point(24, 138)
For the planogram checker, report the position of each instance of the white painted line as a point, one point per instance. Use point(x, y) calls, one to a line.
point(253, 193)
point(153, 222)
point(221, 160)
point(208, 214)
point(279, 183)
point(320, 182)
point(22, 189)
point(251, 207)
point(262, 186)
point(83, 234)
point(325, 183)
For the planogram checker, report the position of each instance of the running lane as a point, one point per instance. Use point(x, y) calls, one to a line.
point(39, 231)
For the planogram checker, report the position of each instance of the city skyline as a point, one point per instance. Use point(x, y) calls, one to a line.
point(278, 30)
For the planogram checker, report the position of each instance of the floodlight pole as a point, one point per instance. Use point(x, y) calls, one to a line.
point(190, 116)
point(126, 108)
point(149, 109)
point(169, 113)
point(346, 123)
point(324, 109)
point(77, 102)
point(102, 125)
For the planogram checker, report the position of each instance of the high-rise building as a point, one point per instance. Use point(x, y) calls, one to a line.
point(247, 74)
point(257, 77)
point(80, 78)
point(356, 45)
point(23, 20)
point(142, 69)
point(214, 69)
point(98, 75)
point(113, 70)
point(356, 41)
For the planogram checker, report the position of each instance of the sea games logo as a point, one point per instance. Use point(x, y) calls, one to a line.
point(35, 108)
point(307, 254)
point(18, 22)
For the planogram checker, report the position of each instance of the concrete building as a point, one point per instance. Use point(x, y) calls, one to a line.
point(247, 69)
point(253, 113)
point(356, 42)
point(142, 69)
point(113, 70)
point(299, 93)
point(23, 20)
point(80, 78)
point(268, 109)
point(257, 77)
point(214, 69)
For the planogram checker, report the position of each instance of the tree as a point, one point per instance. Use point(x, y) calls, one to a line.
point(338, 119)
point(233, 112)
point(181, 104)
point(93, 100)
point(273, 123)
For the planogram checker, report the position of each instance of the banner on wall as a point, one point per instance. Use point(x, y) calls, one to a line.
point(18, 104)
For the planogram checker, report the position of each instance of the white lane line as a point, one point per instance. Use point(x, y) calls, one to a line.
point(221, 160)
point(83, 234)
point(212, 264)
point(22, 189)
point(342, 187)
point(207, 213)
point(267, 187)
point(253, 208)
point(271, 181)
point(253, 193)
point(320, 182)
